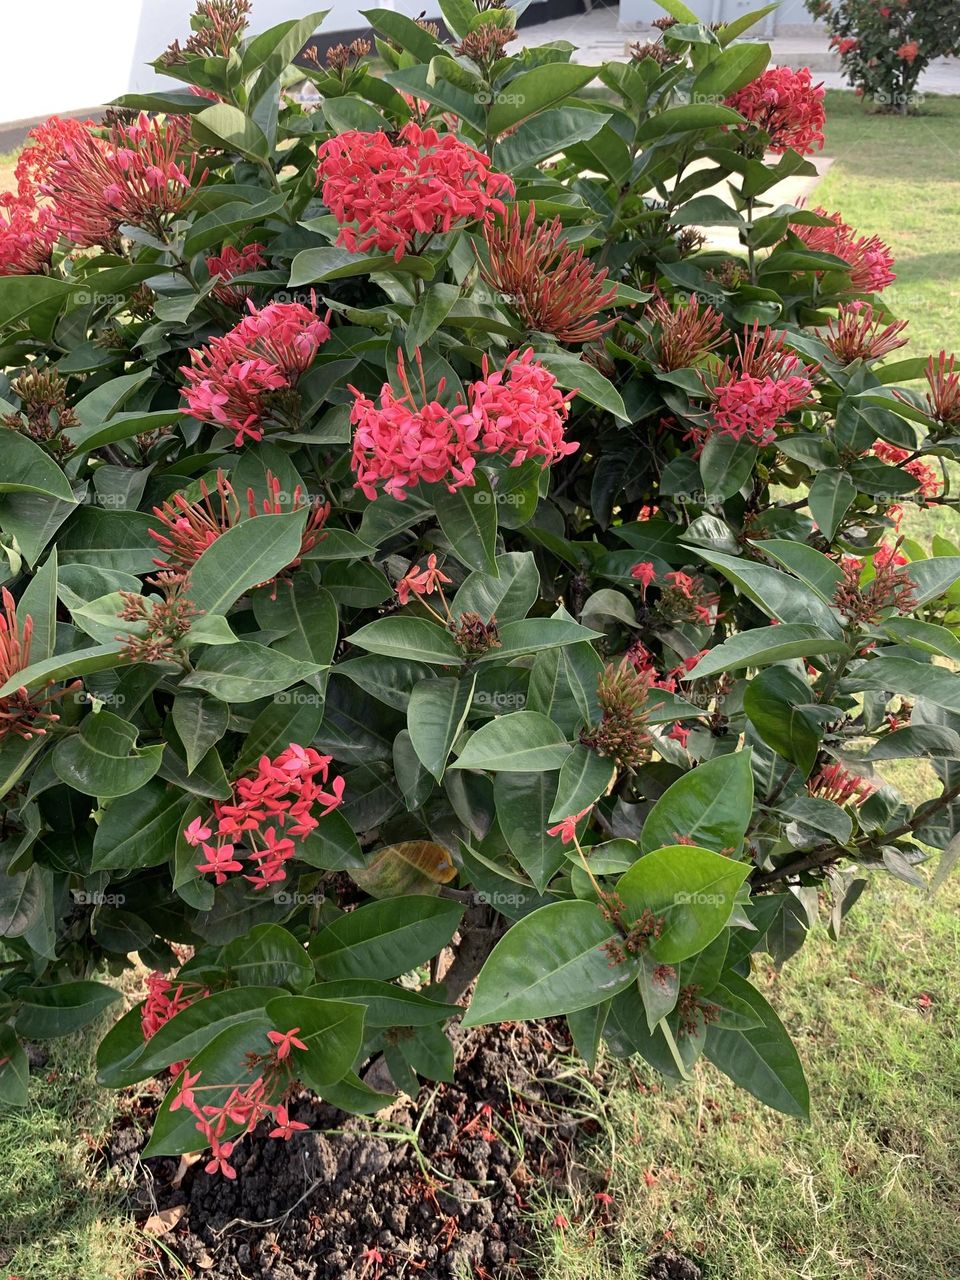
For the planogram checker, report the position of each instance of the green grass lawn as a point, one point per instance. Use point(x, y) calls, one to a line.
point(870, 1190)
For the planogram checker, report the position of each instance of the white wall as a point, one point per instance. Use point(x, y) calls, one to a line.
point(790, 12)
point(64, 55)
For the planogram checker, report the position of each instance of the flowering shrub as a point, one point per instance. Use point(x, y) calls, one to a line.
point(885, 45)
point(430, 560)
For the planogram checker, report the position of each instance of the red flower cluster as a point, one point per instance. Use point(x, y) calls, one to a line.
point(516, 410)
point(421, 582)
point(245, 1105)
point(867, 257)
point(191, 527)
point(521, 410)
point(755, 391)
point(22, 714)
point(401, 442)
point(834, 782)
point(163, 1002)
point(29, 229)
point(943, 397)
point(28, 232)
point(132, 176)
point(230, 381)
point(787, 105)
point(684, 333)
point(385, 194)
point(277, 797)
point(551, 286)
point(930, 483)
point(230, 262)
point(857, 334)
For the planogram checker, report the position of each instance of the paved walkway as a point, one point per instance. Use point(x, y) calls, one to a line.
point(598, 36)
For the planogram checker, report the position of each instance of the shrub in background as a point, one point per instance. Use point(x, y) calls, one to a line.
point(427, 557)
point(884, 48)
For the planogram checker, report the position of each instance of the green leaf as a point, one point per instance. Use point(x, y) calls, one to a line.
point(226, 127)
point(508, 597)
point(386, 1004)
point(414, 639)
point(103, 759)
point(404, 32)
point(574, 374)
point(818, 571)
point(918, 679)
point(387, 938)
point(761, 1060)
point(139, 829)
point(710, 806)
point(39, 602)
point(429, 313)
point(829, 499)
point(778, 703)
point(550, 962)
point(693, 889)
point(521, 742)
point(764, 646)
point(267, 956)
point(686, 120)
point(271, 52)
point(734, 68)
point(193, 1028)
point(34, 300)
point(332, 1030)
point(28, 469)
point(523, 802)
point(532, 635)
point(56, 1011)
point(468, 517)
point(776, 593)
point(725, 466)
point(317, 266)
point(534, 91)
point(249, 553)
point(200, 721)
point(933, 577)
point(584, 778)
point(435, 718)
point(245, 672)
point(546, 135)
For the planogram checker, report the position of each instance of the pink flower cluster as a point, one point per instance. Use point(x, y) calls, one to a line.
point(245, 1105)
point(164, 1001)
point(515, 411)
point(384, 194)
point(133, 176)
point(28, 232)
point(230, 381)
point(787, 105)
point(521, 411)
point(869, 259)
point(230, 262)
point(755, 391)
point(268, 809)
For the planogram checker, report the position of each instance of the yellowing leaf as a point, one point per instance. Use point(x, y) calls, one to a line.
point(415, 866)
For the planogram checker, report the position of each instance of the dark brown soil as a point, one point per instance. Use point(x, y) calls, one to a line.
point(354, 1199)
